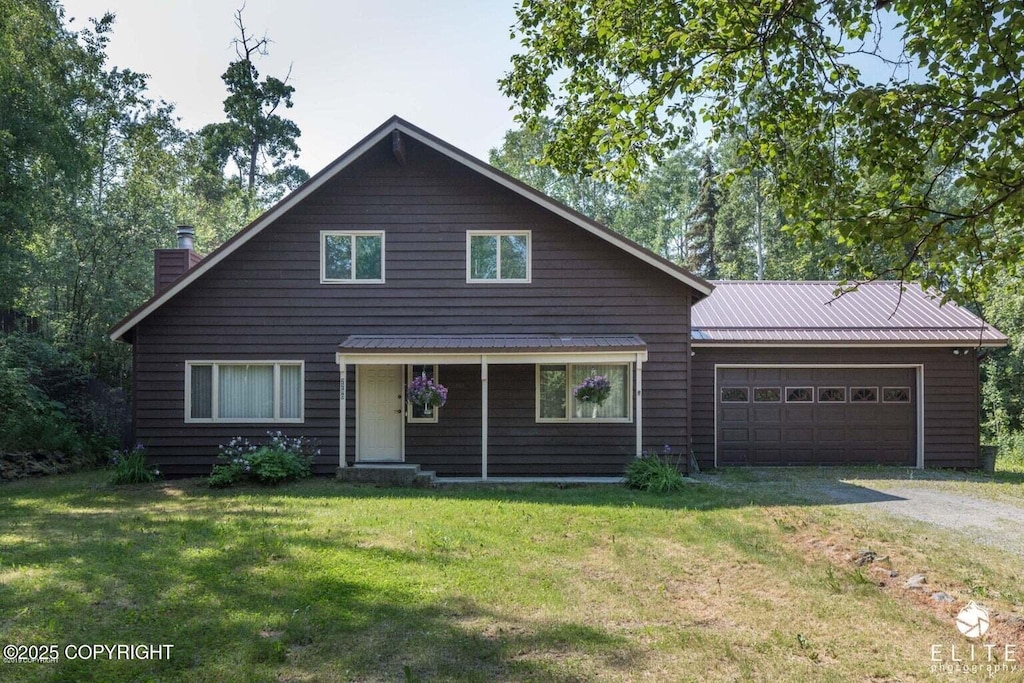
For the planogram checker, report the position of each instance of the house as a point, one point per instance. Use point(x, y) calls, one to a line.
point(407, 257)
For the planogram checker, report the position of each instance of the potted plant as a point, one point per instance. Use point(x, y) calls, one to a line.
point(426, 392)
point(594, 390)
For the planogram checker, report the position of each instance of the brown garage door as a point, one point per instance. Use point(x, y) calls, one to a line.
point(816, 416)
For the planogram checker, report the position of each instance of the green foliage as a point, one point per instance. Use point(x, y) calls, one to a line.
point(42, 399)
point(882, 130)
point(655, 472)
point(703, 223)
point(282, 459)
point(130, 467)
point(255, 139)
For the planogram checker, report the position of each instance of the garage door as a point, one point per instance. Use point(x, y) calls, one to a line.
point(816, 416)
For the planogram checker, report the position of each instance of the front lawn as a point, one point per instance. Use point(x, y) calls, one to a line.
point(318, 581)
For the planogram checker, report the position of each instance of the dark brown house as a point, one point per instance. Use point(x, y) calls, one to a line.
point(408, 257)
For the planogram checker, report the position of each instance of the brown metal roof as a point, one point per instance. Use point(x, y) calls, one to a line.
point(370, 343)
point(811, 313)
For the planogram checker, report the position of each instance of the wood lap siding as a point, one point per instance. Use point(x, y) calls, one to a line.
point(951, 399)
point(265, 302)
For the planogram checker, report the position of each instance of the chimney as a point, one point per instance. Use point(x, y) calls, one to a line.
point(170, 264)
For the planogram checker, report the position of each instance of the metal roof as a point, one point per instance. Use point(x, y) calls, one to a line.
point(370, 343)
point(815, 313)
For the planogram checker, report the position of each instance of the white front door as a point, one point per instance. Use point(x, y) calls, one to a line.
point(379, 425)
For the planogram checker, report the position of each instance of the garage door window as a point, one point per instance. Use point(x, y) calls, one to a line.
point(735, 395)
point(831, 394)
point(799, 395)
point(864, 395)
point(896, 395)
point(767, 395)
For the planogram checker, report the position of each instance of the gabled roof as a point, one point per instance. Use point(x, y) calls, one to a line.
point(702, 287)
point(811, 314)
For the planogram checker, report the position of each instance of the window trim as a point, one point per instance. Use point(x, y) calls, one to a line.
point(214, 392)
point(753, 395)
point(408, 413)
point(829, 387)
point(721, 395)
point(324, 234)
point(569, 417)
point(470, 234)
point(810, 388)
point(910, 396)
point(875, 389)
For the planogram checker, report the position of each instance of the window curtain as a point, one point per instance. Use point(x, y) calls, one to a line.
point(246, 391)
point(617, 404)
point(202, 392)
point(291, 392)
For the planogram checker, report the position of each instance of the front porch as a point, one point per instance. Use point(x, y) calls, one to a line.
point(497, 422)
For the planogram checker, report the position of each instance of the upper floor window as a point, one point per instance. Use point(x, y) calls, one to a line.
point(498, 256)
point(352, 256)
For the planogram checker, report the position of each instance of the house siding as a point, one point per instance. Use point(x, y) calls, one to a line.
point(265, 302)
point(951, 398)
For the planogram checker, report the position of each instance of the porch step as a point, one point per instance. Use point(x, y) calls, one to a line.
point(387, 474)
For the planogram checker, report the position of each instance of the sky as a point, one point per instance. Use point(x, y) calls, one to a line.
point(354, 63)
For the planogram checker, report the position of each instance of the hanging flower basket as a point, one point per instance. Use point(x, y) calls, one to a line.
point(425, 392)
point(594, 389)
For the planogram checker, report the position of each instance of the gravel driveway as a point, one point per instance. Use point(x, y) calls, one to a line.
point(951, 501)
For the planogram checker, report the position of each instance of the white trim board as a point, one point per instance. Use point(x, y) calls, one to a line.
point(516, 358)
point(917, 367)
point(847, 345)
point(353, 154)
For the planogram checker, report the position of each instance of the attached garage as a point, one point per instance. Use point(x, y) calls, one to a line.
point(786, 373)
point(814, 415)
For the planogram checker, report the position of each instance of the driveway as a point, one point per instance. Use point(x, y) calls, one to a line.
point(982, 509)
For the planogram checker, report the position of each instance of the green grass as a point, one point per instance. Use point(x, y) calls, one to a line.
point(317, 581)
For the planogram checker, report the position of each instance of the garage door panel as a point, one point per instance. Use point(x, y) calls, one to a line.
point(816, 433)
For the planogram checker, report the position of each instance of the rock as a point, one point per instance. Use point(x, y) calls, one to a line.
point(942, 597)
point(917, 581)
point(863, 557)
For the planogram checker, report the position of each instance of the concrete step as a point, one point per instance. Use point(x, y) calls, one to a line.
point(386, 474)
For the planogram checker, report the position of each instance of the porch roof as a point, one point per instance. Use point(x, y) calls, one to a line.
point(506, 348)
point(370, 343)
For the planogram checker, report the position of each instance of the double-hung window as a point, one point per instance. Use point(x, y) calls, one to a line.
point(351, 257)
point(243, 391)
point(556, 400)
point(498, 256)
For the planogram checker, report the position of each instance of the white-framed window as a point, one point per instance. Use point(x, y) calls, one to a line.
point(831, 394)
point(896, 395)
point(735, 395)
point(556, 403)
point(799, 395)
point(351, 256)
point(499, 256)
point(418, 413)
point(863, 394)
point(767, 395)
point(244, 391)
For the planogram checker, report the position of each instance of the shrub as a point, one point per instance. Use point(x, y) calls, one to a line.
point(130, 467)
point(656, 472)
point(282, 459)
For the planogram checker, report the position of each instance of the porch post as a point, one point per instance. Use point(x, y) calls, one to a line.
point(342, 399)
point(639, 406)
point(483, 417)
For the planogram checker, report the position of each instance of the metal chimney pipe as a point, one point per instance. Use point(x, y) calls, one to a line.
point(186, 237)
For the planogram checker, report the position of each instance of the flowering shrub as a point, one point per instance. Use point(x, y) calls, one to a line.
point(594, 389)
point(282, 459)
point(656, 472)
point(426, 392)
point(130, 467)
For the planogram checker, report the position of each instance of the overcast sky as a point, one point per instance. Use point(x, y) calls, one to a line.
point(354, 63)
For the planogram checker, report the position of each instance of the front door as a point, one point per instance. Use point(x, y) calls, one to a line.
point(379, 425)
